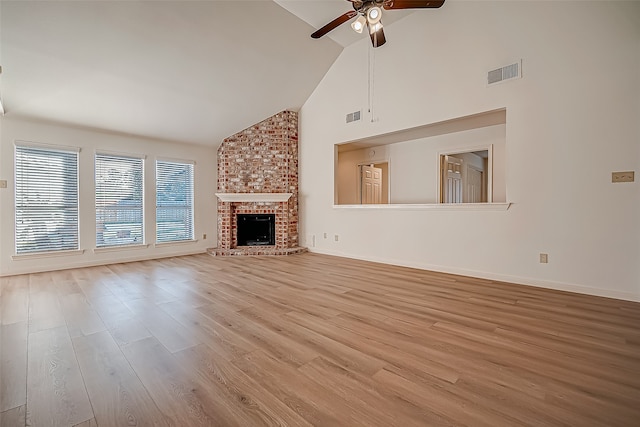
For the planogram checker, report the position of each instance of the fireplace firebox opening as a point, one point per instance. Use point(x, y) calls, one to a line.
point(256, 229)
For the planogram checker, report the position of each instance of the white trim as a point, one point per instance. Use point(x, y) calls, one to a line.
point(120, 154)
point(254, 197)
point(45, 146)
point(434, 206)
point(99, 262)
point(173, 160)
point(119, 248)
point(518, 280)
point(49, 254)
point(174, 243)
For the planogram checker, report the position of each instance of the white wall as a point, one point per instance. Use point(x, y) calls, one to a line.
point(571, 120)
point(88, 142)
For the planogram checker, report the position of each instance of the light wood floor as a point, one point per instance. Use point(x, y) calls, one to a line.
point(309, 340)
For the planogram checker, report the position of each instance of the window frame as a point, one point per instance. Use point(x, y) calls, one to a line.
point(121, 234)
point(65, 208)
point(191, 205)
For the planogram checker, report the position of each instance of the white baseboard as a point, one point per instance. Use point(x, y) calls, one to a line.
point(527, 281)
point(95, 263)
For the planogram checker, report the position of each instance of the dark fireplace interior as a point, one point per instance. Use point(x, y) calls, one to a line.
point(256, 229)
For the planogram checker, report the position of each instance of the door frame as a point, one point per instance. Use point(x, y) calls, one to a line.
point(462, 150)
point(374, 162)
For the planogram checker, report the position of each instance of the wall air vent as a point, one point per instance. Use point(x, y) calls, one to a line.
point(353, 117)
point(508, 72)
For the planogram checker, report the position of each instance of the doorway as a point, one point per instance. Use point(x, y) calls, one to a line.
point(374, 183)
point(465, 177)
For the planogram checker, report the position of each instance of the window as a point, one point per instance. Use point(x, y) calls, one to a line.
point(174, 201)
point(46, 199)
point(119, 200)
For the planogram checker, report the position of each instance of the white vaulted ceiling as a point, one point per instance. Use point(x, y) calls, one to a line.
point(187, 71)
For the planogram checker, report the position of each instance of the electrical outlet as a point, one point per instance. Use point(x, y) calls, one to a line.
point(335, 237)
point(325, 235)
point(3, 183)
point(204, 236)
point(312, 240)
point(544, 258)
point(628, 176)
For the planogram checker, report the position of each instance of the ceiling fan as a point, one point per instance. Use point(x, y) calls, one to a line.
point(369, 14)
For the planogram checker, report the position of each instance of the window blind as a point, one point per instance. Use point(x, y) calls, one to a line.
point(119, 200)
point(46, 200)
point(174, 201)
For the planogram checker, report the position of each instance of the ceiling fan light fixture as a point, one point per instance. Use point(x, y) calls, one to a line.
point(375, 27)
point(369, 13)
point(373, 15)
point(358, 24)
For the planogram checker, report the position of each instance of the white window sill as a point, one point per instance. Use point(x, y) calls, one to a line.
point(118, 248)
point(175, 243)
point(433, 206)
point(51, 254)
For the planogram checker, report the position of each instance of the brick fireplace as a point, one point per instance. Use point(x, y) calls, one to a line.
point(258, 174)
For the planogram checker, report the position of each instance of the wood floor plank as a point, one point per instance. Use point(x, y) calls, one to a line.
point(173, 388)
point(110, 309)
point(185, 292)
point(380, 350)
point(246, 399)
point(460, 411)
point(13, 365)
point(89, 423)
point(14, 303)
point(125, 331)
point(298, 392)
point(56, 394)
point(86, 279)
point(227, 342)
point(117, 396)
point(80, 317)
point(45, 311)
point(274, 343)
point(362, 396)
point(15, 417)
point(166, 329)
point(624, 384)
point(342, 354)
point(309, 339)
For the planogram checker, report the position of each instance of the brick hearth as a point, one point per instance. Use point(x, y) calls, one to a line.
point(253, 165)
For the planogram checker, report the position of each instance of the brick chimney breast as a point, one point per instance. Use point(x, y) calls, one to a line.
point(259, 161)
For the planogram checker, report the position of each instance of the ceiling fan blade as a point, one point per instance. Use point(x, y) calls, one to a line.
point(412, 4)
point(377, 35)
point(333, 24)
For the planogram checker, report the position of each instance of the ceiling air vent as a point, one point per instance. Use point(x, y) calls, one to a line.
point(508, 72)
point(353, 117)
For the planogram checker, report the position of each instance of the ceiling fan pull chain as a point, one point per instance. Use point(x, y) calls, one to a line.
point(372, 66)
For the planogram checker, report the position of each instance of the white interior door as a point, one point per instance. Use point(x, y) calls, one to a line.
point(451, 179)
point(371, 189)
point(474, 192)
